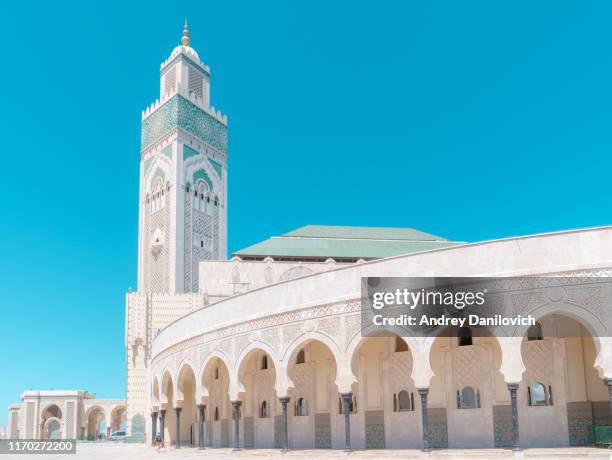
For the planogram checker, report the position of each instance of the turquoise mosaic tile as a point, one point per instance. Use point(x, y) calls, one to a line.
point(323, 431)
point(437, 428)
point(188, 152)
point(167, 150)
point(158, 173)
point(375, 429)
point(179, 112)
point(579, 420)
point(217, 167)
point(502, 425)
point(147, 164)
point(201, 174)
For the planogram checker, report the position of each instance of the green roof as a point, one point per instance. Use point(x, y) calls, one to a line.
point(324, 241)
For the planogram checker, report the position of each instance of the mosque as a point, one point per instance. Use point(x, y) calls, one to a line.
point(267, 349)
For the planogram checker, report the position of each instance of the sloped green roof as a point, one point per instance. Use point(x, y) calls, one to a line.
point(370, 233)
point(319, 241)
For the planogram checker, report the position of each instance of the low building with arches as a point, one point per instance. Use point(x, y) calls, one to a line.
point(61, 414)
point(286, 363)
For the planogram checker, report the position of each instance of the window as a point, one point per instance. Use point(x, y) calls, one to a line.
point(216, 373)
point(465, 336)
point(535, 332)
point(158, 199)
point(216, 414)
point(301, 357)
point(400, 345)
point(301, 407)
point(263, 410)
point(468, 398)
point(538, 396)
point(201, 197)
point(404, 403)
point(264, 362)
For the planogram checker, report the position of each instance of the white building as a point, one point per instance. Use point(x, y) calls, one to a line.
point(61, 414)
point(274, 333)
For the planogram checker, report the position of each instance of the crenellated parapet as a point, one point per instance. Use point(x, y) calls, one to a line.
point(191, 97)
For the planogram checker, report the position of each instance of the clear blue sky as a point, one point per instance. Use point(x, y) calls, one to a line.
point(471, 120)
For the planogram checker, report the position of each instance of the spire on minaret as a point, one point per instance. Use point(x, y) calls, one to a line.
point(185, 37)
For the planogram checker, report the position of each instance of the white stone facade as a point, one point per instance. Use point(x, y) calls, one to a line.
point(319, 315)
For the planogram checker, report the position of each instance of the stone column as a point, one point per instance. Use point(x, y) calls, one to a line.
point(236, 407)
point(178, 426)
point(424, 422)
point(153, 427)
point(513, 387)
point(608, 382)
point(284, 401)
point(201, 421)
point(162, 425)
point(346, 408)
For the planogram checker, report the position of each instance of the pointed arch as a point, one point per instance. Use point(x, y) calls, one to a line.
point(167, 389)
point(237, 384)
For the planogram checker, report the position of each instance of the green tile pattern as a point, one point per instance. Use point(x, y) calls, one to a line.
point(502, 425)
point(201, 174)
point(188, 152)
point(179, 112)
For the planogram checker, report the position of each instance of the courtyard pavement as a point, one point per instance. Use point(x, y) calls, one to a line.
point(120, 451)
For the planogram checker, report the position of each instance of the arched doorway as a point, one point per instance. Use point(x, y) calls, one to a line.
point(118, 420)
point(313, 409)
point(186, 395)
point(467, 395)
point(561, 395)
point(386, 402)
point(53, 429)
point(215, 379)
point(96, 424)
point(51, 422)
point(167, 402)
point(260, 406)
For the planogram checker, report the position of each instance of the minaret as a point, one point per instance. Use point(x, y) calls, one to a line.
point(183, 177)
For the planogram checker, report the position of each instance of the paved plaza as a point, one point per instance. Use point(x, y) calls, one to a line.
point(120, 451)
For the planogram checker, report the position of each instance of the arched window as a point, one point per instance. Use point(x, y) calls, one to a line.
point(468, 398)
point(400, 345)
point(465, 336)
point(216, 414)
point(301, 357)
point(538, 396)
point(158, 200)
point(404, 401)
point(264, 362)
point(263, 410)
point(201, 196)
point(217, 373)
point(301, 407)
point(216, 201)
point(535, 332)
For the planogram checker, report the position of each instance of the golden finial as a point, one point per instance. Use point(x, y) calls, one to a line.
point(185, 37)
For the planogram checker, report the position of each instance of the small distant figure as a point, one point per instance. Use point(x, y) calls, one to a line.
point(158, 441)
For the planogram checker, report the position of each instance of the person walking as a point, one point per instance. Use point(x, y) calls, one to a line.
point(158, 441)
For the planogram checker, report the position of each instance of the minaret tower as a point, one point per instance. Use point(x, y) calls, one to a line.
point(183, 177)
